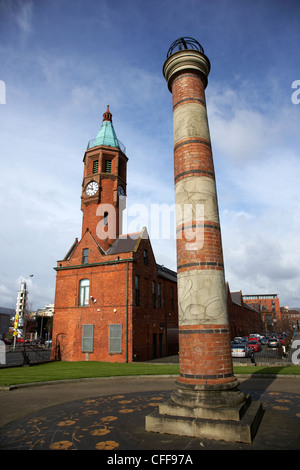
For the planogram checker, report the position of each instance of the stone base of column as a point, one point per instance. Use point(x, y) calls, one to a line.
point(209, 412)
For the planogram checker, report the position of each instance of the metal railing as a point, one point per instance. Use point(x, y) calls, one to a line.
point(26, 354)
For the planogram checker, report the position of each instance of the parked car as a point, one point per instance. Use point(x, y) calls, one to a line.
point(255, 345)
point(254, 338)
point(37, 341)
point(273, 343)
point(239, 350)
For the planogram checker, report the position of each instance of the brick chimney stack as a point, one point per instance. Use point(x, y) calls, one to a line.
point(205, 352)
point(206, 391)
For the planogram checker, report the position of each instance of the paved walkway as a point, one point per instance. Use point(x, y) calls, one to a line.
point(110, 414)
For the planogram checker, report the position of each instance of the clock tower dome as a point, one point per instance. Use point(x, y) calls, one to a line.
point(104, 185)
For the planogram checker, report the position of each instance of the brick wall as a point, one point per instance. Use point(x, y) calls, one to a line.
point(155, 316)
point(108, 289)
point(243, 319)
point(112, 286)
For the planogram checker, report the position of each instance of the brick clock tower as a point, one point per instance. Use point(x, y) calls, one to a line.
point(113, 303)
point(104, 185)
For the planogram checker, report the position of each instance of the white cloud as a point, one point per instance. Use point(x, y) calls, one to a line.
point(20, 12)
point(23, 15)
point(57, 90)
point(6, 296)
point(261, 242)
point(247, 127)
point(256, 144)
point(257, 263)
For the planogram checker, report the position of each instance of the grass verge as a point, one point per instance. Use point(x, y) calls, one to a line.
point(77, 370)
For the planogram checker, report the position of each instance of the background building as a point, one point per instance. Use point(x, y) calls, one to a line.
point(44, 322)
point(6, 314)
point(269, 307)
point(290, 319)
point(244, 319)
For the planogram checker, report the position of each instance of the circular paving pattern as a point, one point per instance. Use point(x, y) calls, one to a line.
point(117, 422)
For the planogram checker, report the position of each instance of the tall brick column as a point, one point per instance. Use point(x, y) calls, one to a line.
point(206, 387)
point(204, 336)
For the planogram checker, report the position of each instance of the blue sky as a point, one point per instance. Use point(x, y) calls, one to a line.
point(63, 61)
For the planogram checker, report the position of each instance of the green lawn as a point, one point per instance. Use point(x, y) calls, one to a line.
point(77, 370)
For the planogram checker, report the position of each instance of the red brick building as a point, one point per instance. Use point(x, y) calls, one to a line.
point(243, 318)
point(113, 302)
point(290, 319)
point(269, 307)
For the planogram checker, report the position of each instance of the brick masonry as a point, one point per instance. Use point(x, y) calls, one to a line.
point(112, 286)
point(147, 312)
point(204, 333)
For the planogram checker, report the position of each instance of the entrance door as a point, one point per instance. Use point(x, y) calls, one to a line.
point(160, 342)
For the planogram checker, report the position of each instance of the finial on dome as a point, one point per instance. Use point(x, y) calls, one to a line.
point(107, 116)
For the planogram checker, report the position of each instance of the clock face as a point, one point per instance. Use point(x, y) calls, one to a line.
point(121, 191)
point(91, 188)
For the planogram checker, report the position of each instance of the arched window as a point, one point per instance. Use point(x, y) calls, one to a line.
point(84, 292)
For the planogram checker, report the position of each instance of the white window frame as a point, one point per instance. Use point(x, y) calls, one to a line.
point(84, 293)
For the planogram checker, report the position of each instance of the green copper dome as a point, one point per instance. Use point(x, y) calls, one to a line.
point(106, 135)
